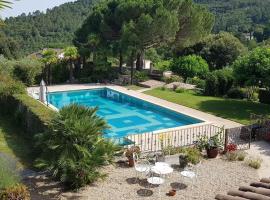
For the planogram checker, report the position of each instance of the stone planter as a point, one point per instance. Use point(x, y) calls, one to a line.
point(183, 160)
point(212, 153)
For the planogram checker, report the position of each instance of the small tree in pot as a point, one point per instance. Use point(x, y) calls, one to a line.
point(211, 145)
point(129, 154)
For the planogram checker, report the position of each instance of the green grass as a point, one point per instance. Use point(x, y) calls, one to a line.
point(134, 87)
point(12, 142)
point(235, 110)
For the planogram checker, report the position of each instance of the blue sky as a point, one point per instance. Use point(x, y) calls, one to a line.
point(26, 6)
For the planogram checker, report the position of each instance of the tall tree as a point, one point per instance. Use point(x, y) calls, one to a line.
point(49, 57)
point(70, 55)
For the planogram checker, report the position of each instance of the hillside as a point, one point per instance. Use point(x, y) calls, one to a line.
point(53, 29)
point(29, 33)
point(238, 16)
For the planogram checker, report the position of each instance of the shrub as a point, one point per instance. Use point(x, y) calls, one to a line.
point(190, 66)
point(171, 79)
point(232, 155)
point(8, 86)
point(17, 192)
point(236, 93)
point(254, 162)
point(141, 76)
point(200, 83)
point(27, 70)
point(241, 156)
point(219, 82)
point(163, 65)
point(73, 147)
point(180, 90)
point(193, 154)
point(264, 96)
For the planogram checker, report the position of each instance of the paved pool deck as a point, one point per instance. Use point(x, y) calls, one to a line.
point(208, 118)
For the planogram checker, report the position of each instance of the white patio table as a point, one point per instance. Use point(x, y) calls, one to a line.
point(162, 168)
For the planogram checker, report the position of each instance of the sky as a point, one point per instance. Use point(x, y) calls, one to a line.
point(26, 6)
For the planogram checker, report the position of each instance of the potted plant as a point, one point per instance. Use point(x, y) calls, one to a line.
point(211, 145)
point(129, 154)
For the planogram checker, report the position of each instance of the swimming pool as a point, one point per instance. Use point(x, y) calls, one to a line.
point(125, 114)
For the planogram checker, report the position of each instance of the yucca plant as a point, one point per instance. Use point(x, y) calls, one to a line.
point(73, 147)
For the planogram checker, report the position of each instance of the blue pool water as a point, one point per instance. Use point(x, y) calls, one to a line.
point(125, 114)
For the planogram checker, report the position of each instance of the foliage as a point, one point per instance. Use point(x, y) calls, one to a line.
point(163, 65)
point(200, 83)
point(190, 66)
point(16, 192)
point(231, 147)
point(71, 54)
point(4, 4)
point(210, 143)
point(238, 16)
point(8, 172)
point(193, 154)
point(172, 78)
point(9, 86)
point(231, 155)
point(73, 146)
point(219, 82)
point(121, 26)
point(235, 110)
point(254, 163)
point(141, 76)
point(51, 29)
point(8, 46)
point(27, 70)
point(218, 50)
point(253, 69)
point(130, 151)
point(264, 96)
point(241, 155)
point(236, 93)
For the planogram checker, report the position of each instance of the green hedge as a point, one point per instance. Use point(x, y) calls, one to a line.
point(28, 113)
point(264, 96)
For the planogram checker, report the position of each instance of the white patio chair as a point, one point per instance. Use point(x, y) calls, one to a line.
point(141, 166)
point(191, 173)
point(156, 180)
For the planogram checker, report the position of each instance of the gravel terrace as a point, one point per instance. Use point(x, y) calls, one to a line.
point(214, 176)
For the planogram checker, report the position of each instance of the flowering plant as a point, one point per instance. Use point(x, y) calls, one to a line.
point(231, 147)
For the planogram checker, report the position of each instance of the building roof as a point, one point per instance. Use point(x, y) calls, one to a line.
point(255, 191)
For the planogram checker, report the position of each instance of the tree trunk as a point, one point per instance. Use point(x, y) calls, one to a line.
point(139, 62)
point(131, 69)
point(120, 62)
point(71, 78)
point(49, 75)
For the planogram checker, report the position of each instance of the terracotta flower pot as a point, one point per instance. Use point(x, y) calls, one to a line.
point(171, 193)
point(212, 153)
point(130, 162)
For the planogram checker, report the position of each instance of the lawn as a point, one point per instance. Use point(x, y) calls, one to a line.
point(12, 143)
point(235, 110)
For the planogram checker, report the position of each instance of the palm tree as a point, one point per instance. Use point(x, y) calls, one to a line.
point(4, 4)
point(49, 57)
point(71, 54)
point(73, 148)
